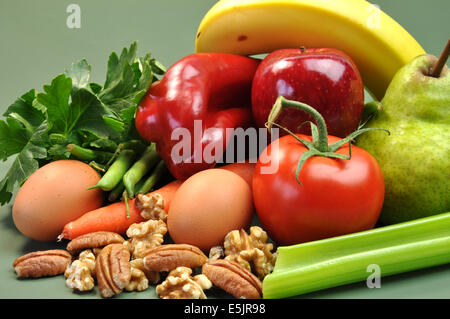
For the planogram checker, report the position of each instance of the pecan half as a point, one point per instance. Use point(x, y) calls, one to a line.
point(233, 278)
point(42, 263)
point(171, 256)
point(94, 240)
point(113, 269)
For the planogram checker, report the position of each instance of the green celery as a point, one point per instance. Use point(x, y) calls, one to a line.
point(336, 261)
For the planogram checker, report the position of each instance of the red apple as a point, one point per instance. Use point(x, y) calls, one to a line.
point(326, 79)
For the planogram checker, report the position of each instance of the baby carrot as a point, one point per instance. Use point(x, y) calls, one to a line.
point(114, 216)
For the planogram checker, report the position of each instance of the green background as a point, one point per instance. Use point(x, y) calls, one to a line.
point(36, 45)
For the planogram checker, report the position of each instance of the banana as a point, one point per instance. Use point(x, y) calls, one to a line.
point(377, 43)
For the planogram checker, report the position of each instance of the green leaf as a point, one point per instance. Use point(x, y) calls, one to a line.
point(58, 152)
point(5, 196)
point(56, 101)
point(116, 65)
point(147, 70)
point(13, 137)
point(24, 164)
point(120, 87)
point(26, 108)
point(80, 73)
point(114, 124)
point(157, 67)
point(89, 112)
point(96, 88)
point(104, 144)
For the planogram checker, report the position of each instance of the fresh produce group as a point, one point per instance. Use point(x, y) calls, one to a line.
point(133, 174)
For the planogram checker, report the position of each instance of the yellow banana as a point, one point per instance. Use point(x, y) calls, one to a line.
point(377, 43)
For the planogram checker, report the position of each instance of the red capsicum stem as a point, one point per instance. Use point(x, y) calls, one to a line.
point(319, 133)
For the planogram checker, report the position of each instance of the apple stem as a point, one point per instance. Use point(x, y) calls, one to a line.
point(437, 69)
point(319, 145)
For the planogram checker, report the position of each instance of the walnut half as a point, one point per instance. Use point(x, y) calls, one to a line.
point(251, 251)
point(179, 284)
point(80, 273)
point(151, 206)
point(144, 236)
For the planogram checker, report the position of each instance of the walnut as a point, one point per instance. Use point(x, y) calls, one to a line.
point(180, 285)
point(138, 280)
point(152, 276)
point(215, 253)
point(141, 277)
point(144, 236)
point(80, 273)
point(250, 251)
point(151, 206)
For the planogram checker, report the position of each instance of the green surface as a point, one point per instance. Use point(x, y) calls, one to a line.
point(36, 45)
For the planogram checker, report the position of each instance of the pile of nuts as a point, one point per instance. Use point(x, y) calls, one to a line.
point(116, 264)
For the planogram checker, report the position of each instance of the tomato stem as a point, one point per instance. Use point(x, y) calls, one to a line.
point(281, 103)
point(319, 145)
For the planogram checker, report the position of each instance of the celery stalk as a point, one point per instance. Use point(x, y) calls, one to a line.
point(343, 260)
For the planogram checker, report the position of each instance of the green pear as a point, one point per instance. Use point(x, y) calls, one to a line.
point(415, 157)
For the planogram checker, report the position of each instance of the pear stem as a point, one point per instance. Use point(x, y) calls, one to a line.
point(437, 69)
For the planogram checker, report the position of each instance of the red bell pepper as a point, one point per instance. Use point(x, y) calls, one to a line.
point(213, 88)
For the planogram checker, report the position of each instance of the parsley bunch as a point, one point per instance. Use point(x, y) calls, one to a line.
point(72, 110)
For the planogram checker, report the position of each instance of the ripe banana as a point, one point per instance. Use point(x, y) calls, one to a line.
point(377, 43)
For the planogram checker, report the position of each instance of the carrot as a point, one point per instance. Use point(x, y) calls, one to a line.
point(114, 217)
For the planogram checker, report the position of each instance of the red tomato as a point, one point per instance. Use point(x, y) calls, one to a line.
point(336, 196)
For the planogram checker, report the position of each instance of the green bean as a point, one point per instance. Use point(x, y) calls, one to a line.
point(86, 154)
point(125, 198)
point(154, 178)
point(116, 171)
point(97, 166)
point(116, 192)
point(81, 153)
point(135, 145)
point(139, 169)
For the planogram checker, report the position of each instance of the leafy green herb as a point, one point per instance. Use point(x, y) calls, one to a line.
point(38, 126)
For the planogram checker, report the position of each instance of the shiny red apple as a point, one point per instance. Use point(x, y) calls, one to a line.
point(326, 79)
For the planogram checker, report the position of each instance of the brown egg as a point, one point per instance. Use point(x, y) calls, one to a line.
point(54, 195)
point(207, 206)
